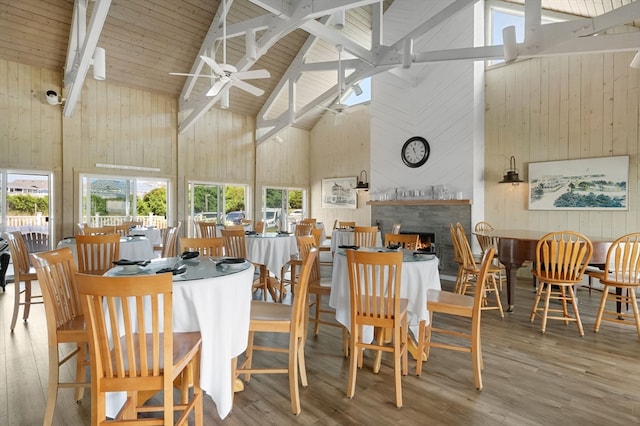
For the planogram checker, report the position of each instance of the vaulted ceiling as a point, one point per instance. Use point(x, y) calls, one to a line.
point(295, 41)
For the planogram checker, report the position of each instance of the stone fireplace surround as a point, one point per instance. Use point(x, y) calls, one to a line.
point(426, 216)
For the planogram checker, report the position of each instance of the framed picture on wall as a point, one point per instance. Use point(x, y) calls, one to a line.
point(587, 184)
point(339, 193)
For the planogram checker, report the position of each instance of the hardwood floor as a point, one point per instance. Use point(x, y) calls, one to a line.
point(529, 378)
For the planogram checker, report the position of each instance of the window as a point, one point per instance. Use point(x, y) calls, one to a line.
point(24, 204)
point(111, 200)
point(224, 204)
point(502, 14)
point(282, 207)
point(364, 96)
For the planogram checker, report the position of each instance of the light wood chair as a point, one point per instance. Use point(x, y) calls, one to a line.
point(97, 230)
point(22, 272)
point(453, 304)
point(235, 245)
point(80, 228)
point(623, 275)
point(457, 258)
point(343, 224)
point(374, 290)
point(96, 253)
point(132, 223)
point(36, 241)
point(303, 229)
point(122, 230)
point(56, 272)
point(486, 241)
point(561, 259)
point(206, 246)
point(327, 259)
point(278, 318)
point(310, 220)
point(471, 272)
point(405, 241)
point(396, 228)
point(170, 242)
point(147, 356)
point(259, 228)
point(365, 236)
point(247, 222)
point(206, 229)
point(234, 228)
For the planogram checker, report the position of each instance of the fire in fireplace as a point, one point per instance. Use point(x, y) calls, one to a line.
point(425, 240)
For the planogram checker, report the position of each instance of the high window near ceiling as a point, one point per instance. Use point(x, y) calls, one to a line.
point(111, 200)
point(502, 14)
point(224, 204)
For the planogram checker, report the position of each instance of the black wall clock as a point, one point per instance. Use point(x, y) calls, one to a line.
point(415, 151)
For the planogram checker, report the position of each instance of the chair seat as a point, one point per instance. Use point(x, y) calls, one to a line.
point(448, 299)
point(268, 311)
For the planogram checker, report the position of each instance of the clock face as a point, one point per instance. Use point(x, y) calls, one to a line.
point(415, 151)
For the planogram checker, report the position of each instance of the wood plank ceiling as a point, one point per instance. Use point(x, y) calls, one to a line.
point(145, 40)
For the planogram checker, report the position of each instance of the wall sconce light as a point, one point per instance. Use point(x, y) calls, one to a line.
point(363, 181)
point(511, 175)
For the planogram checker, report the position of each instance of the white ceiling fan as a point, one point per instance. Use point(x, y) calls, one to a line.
point(226, 73)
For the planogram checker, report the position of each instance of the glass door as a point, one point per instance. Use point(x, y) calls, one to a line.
point(224, 204)
point(282, 207)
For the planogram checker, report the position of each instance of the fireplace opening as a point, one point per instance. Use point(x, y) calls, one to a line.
point(426, 240)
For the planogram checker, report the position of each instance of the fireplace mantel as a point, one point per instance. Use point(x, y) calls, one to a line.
point(420, 203)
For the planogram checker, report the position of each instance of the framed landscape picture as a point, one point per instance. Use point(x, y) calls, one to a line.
point(339, 193)
point(588, 184)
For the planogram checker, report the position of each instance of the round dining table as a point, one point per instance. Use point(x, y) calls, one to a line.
point(153, 234)
point(271, 249)
point(419, 274)
point(212, 298)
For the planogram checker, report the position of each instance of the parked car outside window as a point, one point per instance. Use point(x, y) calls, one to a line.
point(234, 218)
point(208, 217)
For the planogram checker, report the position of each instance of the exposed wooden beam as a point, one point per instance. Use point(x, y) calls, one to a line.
point(74, 77)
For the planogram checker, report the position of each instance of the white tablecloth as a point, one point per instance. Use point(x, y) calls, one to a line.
point(340, 237)
point(153, 234)
point(271, 250)
point(218, 306)
point(132, 248)
point(417, 277)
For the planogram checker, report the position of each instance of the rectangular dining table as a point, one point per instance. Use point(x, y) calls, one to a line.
point(419, 274)
point(214, 299)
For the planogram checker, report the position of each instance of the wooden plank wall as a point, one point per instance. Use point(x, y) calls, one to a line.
point(561, 108)
point(340, 147)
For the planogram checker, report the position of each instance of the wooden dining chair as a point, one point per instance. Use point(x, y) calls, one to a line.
point(22, 272)
point(303, 229)
point(471, 272)
point(96, 253)
point(486, 241)
point(457, 258)
point(205, 246)
point(96, 230)
point(132, 223)
point(80, 228)
point(206, 229)
point(279, 318)
point(56, 271)
point(405, 241)
point(146, 357)
point(259, 228)
point(622, 274)
point(122, 230)
point(374, 291)
point(459, 305)
point(365, 236)
point(310, 220)
point(561, 259)
point(235, 245)
point(234, 227)
point(325, 257)
point(170, 242)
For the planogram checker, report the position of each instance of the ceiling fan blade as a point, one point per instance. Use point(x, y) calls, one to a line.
point(213, 64)
point(248, 87)
point(186, 74)
point(215, 89)
point(250, 75)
